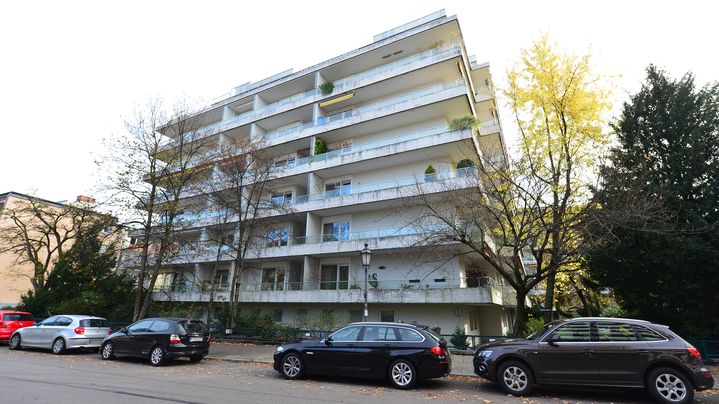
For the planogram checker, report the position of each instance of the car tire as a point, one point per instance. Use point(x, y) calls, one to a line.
point(292, 367)
point(402, 374)
point(58, 346)
point(515, 378)
point(196, 358)
point(157, 356)
point(15, 342)
point(107, 351)
point(667, 385)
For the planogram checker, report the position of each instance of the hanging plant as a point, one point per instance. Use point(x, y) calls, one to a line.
point(320, 146)
point(327, 88)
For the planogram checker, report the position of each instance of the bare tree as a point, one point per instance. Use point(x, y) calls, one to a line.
point(159, 161)
point(39, 232)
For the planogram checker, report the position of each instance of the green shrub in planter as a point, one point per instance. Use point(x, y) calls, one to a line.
point(429, 173)
point(459, 339)
point(320, 146)
point(465, 163)
point(327, 88)
point(462, 123)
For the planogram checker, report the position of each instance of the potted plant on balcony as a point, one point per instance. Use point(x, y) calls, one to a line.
point(465, 166)
point(320, 146)
point(327, 88)
point(430, 174)
point(462, 123)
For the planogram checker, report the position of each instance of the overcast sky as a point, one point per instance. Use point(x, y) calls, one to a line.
point(70, 71)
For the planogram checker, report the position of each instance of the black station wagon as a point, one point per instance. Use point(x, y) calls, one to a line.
point(401, 353)
point(604, 352)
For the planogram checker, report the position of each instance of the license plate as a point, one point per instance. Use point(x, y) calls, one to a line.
point(195, 339)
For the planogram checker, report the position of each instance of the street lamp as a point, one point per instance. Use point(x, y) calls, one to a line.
point(366, 254)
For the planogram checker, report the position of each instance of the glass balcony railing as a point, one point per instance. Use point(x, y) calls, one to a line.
point(390, 104)
point(378, 284)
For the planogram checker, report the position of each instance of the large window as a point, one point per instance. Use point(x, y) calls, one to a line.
point(180, 281)
point(338, 188)
point(336, 231)
point(347, 334)
point(273, 279)
point(222, 279)
point(573, 332)
point(301, 317)
point(376, 333)
point(282, 198)
point(615, 332)
point(278, 237)
point(334, 277)
point(386, 316)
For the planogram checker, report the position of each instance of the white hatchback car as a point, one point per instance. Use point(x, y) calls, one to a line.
point(62, 332)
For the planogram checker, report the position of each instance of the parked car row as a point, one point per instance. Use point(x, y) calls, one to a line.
point(157, 339)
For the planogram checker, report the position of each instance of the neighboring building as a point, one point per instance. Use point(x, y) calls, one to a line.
point(384, 123)
point(15, 276)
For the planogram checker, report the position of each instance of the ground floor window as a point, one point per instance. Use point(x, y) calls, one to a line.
point(273, 279)
point(277, 315)
point(386, 315)
point(355, 316)
point(301, 317)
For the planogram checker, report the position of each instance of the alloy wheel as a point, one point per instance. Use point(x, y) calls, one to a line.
point(15, 342)
point(670, 387)
point(515, 378)
point(156, 356)
point(401, 374)
point(107, 351)
point(291, 366)
point(58, 346)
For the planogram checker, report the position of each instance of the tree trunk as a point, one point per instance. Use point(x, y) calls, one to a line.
point(521, 316)
point(549, 298)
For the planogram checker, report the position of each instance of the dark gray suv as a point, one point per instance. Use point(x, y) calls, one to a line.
point(606, 352)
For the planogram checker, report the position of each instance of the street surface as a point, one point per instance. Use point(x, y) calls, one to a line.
point(40, 377)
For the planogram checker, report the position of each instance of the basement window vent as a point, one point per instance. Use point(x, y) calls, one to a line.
point(386, 56)
point(414, 281)
point(440, 280)
point(398, 52)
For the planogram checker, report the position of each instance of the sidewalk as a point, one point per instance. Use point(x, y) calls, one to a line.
point(240, 352)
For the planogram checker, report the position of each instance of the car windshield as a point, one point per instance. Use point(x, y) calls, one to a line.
point(190, 327)
point(94, 322)
point(17, 317)
point(541, 331)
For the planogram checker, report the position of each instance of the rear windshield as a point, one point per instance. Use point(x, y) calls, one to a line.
point(94, 322)
point(190, 327)
point(17, 317)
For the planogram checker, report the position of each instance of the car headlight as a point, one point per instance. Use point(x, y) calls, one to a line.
point(280, 349)
point(484, 354)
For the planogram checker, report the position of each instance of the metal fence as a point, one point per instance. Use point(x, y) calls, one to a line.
point(709, 350)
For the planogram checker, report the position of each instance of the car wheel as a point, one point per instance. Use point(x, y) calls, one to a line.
point(667, 385)
point(402, 374)
point(58, 346)
point(157, 356)
point(292, 366)
point(196, 358)
point(515, 378)
point(15, 342)
point(107, 351)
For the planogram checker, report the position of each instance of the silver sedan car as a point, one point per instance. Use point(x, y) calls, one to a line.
point(63, 332)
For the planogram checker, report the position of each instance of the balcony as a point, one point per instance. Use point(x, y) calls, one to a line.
point(484, 93)
point(383, 291)
point(358, 80)
point(426, 95)
point(489, 127)
point(385, 147)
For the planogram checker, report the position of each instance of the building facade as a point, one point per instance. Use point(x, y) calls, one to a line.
point(382, 111)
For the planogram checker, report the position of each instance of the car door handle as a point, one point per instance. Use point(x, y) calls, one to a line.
point(643, 352)
point(588, 352)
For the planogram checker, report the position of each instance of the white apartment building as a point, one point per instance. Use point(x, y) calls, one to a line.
point(384, 122)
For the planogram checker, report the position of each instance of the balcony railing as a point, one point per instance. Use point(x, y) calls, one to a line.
point(490, 126)
point(390, 104)
point(378, 186)
point(382, 284)
point(483, 93)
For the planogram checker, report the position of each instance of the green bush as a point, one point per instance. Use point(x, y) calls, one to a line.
point(320, 146)
point(612, 309)
point(533, 324)
point(430, 170)
point(462, 123)
point(327, 88)
point(465, 163)
point(459, 339)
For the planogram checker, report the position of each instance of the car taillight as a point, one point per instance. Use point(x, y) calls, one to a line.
point(80, 330)
point(437, 350)
point(109, 331)
point(175, 339)
point(2, 324)
point(209, 339)
point(694, 352)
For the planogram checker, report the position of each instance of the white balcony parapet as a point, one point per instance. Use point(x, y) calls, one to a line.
point(488, 127)
point(386, 106)
point(484, 93)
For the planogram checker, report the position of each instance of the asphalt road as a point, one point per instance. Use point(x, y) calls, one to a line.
point(40, 377)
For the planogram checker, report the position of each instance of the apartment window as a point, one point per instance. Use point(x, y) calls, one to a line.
point(355, 316)
point(333, 277)
point(282, 198)
point(277, 315)
point(273, 279)
point(336, 231)
point(386, 315)
point(229, 239)
point(278, 237)
point(255, 312)
point(179, 281)
point(284, 162)
point(222, 278)
point(338, 188)
point(301, 317)
point(163, 281)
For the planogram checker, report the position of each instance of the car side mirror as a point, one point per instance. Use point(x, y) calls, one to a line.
point(553, 339)
point(123, 330)
point(328, 341)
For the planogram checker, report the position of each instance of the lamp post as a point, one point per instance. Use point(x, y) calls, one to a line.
point(366, 255)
